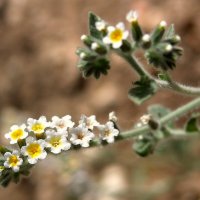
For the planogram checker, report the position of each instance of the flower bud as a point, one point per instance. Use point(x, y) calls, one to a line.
point(158, 32)
point(87, 40)
point(99, 48)
point(146, 41)
point(132, 17)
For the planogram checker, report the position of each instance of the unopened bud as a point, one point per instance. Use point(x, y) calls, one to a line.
point(84, 37)
point(163, 24)
point(146, 38)
point(94, 46)
point(100, 25)
point(83, 55)
point(132, 16)
point(168, 48)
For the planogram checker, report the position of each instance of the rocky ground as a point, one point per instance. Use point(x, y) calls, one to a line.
point(38, 76)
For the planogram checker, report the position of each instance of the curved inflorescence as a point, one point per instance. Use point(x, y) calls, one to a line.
point(33, 141)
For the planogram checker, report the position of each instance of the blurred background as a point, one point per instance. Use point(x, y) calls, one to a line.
point(38, 76)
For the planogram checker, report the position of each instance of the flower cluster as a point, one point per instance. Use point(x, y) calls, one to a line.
point(38, 137)
point(160, 45)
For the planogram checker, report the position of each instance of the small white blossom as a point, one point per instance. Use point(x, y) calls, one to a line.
point(34, 149)
point(112, 116)
point(57, 141)
point(116, 35)
point(132, 16)
point(81, 136)
point(37, 126)
point(16, 133)
point(89, 122)
point(13, 160)
point(108, 132)
point(146, 38)
point(63, 123)
point(100, 25)
point(145, 119)
point(163, 24)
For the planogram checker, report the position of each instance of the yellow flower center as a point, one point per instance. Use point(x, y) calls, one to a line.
point(80, 136)
point(34, 150)
point(116, 35)
point(61, 125)
point(17, 134)
point(107, 133)
point(13, 160)
point(55, 141)
point(38, 128)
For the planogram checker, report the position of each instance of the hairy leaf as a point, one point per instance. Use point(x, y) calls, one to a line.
point(170, 32)
point(142, 90)
point(92, 27)
point(192, 124)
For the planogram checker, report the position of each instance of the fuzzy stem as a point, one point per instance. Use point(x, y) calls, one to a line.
point(169, 84)
point(167, 118)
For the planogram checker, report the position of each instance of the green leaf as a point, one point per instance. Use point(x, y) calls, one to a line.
point(192, 124)
point(96, 68)
point(136, 31)
point(170, 32)
point(157, 34)
point(145, 146)
point(5, 178)
point(16, 177)
point(142, 90)
point(92, 27)
point(162, 77)
point(158, 56)
point(158, 111)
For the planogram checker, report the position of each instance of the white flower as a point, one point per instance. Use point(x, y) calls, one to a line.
point(62, 123)
point(112, 116)
point(89, 122)
point(57, 141)
point(100, 25)
point(37, 126)
point(81, 136)
point(108, 132)
point(16, 133)
point(116, 35)
point(34, 149)
point(13, 160)
point(145, 119)
point(132, 16)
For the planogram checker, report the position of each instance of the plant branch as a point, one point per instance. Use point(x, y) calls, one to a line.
point(170, 84)
point(167, 118)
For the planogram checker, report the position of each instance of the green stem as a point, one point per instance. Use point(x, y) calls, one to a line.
point(181, 111)
point(169, 84)
point(167, 118)
point(135, 65)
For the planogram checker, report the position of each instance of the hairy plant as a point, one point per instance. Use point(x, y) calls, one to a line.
point(35, 139)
